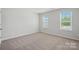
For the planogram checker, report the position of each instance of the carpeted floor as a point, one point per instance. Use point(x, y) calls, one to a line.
point(40, 41)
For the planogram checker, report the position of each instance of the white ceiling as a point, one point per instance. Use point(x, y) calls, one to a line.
point(41, 10)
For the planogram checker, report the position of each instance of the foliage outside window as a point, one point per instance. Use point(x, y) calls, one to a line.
point(66, 20)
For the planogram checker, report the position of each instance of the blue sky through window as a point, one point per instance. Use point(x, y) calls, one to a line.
point(66, 14)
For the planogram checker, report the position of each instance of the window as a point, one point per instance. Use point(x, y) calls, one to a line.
point(45, 21)
point(66, 20)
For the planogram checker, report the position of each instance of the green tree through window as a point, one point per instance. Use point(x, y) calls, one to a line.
point(66, 20)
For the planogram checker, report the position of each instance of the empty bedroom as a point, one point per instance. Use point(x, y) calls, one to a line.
point(39, 28)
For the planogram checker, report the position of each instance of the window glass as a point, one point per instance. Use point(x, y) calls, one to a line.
point(45, 21)
point(66, 20)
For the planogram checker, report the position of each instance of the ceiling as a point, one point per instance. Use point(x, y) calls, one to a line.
point(42, 10)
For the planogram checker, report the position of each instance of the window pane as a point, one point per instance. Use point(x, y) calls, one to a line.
point(45, 22)
point(66, 20)
point(66, 24)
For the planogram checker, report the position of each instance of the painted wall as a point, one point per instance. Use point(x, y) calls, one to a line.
point(54, 23)
point(0, 26)
point(18, 21)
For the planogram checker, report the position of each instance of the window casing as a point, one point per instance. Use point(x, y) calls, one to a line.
point(66, 20)
point(45, 21)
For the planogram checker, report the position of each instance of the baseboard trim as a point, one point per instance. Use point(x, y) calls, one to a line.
point(61, 36)
point(35, 33)
point(8, 38)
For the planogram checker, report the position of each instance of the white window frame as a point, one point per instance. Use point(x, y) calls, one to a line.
point(44, 25)
point(62, 28)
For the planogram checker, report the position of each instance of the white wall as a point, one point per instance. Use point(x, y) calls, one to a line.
point(0, 25)
point(18, 21)
point(54, 23)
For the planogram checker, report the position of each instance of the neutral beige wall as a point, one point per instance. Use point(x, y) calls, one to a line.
point(54, 23)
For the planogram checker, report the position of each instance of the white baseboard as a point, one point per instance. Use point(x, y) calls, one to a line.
point(70, 37)
point(64, 36)
point(19, 35)
point(74, 38)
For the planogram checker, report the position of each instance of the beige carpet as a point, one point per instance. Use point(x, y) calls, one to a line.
point(40, 41)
